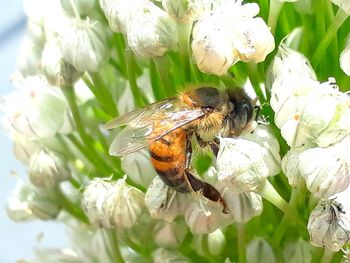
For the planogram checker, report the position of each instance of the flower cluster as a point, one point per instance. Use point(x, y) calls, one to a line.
point(84, 62)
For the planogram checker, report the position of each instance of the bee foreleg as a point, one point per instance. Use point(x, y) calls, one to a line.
point(214, 144)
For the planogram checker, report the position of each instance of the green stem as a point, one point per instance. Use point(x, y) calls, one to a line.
point(184, 32)
point(275, 9)
point(254, 79)
point(120, 44)
point(312, 202)
point(317, 255)
point(130, 64)
point(269, 193)
point(327, 256)
point(228, 80)
point(241, 242)
point(113, 241)
point(337, 22)
point(162, 65)
point(71, 208)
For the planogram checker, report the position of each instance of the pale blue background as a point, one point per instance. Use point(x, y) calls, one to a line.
point(17, 239)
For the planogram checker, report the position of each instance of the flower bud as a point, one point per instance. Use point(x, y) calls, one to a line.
point(138, 167)
point(263, 136)
point(203, 216)
point(243, 206)
point(259, 250)
point(47, 169)
point(119, 13)
point(242, 163)
point(84, 44)
point(212, 46)
point(326, 170)
point(215, 243)
point(345, 60)
point(162, 255)
point(94, 195)
point(28, 58)
point(163, 202)
point(298, 252)
point(329, 223)
point(17, 207)
point(186, 11)
point(123, 205)
point(253, 40)
point(343, 4)
point(290, 165)
point(151, 33)
point(23, 148)
point(170, 235)
point(57, 71)
point(84, 7)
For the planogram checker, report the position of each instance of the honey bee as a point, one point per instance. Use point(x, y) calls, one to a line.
point(167, 127)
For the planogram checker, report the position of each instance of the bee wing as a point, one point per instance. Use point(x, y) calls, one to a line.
point(132, 139)
point(141, 117)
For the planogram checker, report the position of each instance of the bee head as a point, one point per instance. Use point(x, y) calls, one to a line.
point(241, 111)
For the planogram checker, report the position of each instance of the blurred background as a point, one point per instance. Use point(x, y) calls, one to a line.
point(17, 239)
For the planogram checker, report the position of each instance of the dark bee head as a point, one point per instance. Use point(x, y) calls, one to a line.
point(241, 111)
point(204, 97)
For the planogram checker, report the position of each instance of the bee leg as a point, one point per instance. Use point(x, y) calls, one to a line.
point(214, 145)
point(207, 190)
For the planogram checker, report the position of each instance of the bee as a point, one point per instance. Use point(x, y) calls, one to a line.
point(166, 128)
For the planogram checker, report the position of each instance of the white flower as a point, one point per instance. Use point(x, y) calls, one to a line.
point(163, 202)
point(186, 11)
point(162, 255)
point(242, 163)
point(259, 250)
point(138, 167)
point(35, 109)
point(84, 7)
point(215, 243)
point(343, 4)
point(23, 148)
point(123, 205)
point(329, 222)
point(298, 251)
point(326, 170)
point(151, 32)
point(17, 207)
point(203, 216)
point(243, 206)
point(47, 169)
point(228, 34)
point(119, 12)
point(263, 136)
point(290, 165)
point(84, 43)
point(43, 203)
point(57, 71)
point(345, 60)
point(43, 255)
point(112, 204)
point(170, 235)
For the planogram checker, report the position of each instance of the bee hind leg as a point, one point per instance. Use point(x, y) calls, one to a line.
point(207, 190)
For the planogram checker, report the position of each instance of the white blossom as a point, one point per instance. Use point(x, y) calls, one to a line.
point(249, 170)
point(35, 109)
point(228, 34)
point(17, 207)
point(47, 169)
point(290, 166)
point(170, 235)
point(326, 170)
point(43, 255)
point(259, 250)
point(57, 71)
point(84, 43)
point(43, 203)
point(151, 32)
point(345, 60)
point(29, 55)
point(163, 202)
point(329, 223)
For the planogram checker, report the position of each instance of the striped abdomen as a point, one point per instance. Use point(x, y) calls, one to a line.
point(168, 156)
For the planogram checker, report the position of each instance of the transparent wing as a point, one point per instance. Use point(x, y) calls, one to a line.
point(141, 117)
point(132, 138)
